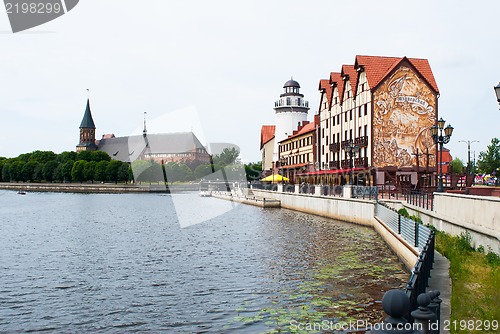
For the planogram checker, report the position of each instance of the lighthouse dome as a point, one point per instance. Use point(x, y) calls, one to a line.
point(291, 83)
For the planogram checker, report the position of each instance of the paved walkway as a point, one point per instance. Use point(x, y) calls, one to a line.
point(440, 280)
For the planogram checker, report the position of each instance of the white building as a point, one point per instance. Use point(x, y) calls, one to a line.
point(291, 110)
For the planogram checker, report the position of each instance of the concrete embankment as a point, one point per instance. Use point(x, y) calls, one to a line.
point(88, 188)
point(263, 202)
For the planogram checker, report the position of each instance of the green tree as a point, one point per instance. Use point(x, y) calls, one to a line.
point(100, 171)
point(66, 156)
point(112, 170)
point(43, 156)
point(253, 171)
point(177, 172)
point(48, 170)
point(99, 156)
point(3, 162)
point(228, 156)
point(77, 170)
point(140, 170)
point(84, 155)
point(489, 161)
point(203, 170)
point(15, 170)
point(123, 172)
point(5, 172)
point(37, 173)
point(457, 166)
point(66, 170)
point(89, 171)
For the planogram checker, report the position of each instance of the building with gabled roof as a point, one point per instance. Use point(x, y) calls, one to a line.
point(384, 107)
point(297, 152)
point(181, 147)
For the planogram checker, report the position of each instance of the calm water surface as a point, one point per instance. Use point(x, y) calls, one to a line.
point(121, 263)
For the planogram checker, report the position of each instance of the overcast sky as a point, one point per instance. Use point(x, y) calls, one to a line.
point(226, 62)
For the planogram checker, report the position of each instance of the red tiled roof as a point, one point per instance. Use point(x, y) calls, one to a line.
point(324, 84)
point(350, 70)
point(377, 68)
point(266, 134)
point(305, 129)
point(336, 79)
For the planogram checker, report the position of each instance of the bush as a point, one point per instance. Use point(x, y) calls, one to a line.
point(493, 259)
point(403, 212)
point(464, 242)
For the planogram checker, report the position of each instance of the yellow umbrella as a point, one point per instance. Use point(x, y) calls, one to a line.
point(275, 178)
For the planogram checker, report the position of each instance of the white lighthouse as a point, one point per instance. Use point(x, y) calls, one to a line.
point(291, 110)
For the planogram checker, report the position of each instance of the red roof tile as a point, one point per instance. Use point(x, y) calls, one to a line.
point(324, 85)
point(304, 129)
point(350, 70)
point(377, 68)
point(266, 134)
point(336, 80)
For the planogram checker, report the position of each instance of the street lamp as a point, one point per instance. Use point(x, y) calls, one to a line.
point(468, 142)
point(497, 92)
point(282, 164)
point(353, 151)
point(440, 140)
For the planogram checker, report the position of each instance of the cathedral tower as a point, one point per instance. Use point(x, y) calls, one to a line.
point(87, 132)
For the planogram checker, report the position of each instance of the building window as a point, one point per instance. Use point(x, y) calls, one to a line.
point(350, 134)
point(338, 119)
point(359, 131)
point(327, 123)
point(366, 109)
point(350, 115)
point(366, 130)
point(359, 111)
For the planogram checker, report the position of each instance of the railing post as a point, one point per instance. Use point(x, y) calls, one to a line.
point(416, 234)
point(396, 305)
point(399, 224)
point(423, 315)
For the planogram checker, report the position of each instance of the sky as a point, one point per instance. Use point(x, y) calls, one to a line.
point(220, 65)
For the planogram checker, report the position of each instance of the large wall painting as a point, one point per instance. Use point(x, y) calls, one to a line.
point(404, 110)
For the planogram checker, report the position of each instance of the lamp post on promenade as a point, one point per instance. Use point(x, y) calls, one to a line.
point(352, 150)
point(497, 92)
point(282, 165)
point(440, 140)
point(468, 142)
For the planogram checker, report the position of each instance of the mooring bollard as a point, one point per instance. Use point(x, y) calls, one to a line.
point(396, 305)
point(423, 315)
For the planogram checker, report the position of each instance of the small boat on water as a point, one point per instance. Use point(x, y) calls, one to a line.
point(21, 192)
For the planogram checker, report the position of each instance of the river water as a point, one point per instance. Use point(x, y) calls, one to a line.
point(122, 263)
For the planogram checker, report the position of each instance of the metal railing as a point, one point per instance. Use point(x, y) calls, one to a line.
point(419, 236)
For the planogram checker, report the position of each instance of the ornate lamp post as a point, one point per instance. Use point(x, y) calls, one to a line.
point(440, 140)
point(468, 142)
point(352, 150)
point(497, 92)
point(282, 165)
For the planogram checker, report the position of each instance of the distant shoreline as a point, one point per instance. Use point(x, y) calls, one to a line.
point(98, 188)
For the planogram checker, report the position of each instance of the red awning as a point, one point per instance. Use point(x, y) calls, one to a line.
point(331, 171)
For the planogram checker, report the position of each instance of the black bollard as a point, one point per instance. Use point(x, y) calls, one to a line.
point(423, 315)
point(396, 305)
point(435, 305)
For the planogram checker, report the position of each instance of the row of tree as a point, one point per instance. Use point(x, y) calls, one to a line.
point(90, 166)
point(488, 161)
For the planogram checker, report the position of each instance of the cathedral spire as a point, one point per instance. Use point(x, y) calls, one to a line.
point(87, 130)
point(144, 132)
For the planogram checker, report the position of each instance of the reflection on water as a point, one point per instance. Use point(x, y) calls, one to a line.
point(114, 263)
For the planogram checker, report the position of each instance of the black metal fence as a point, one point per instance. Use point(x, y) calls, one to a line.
point(419, 236)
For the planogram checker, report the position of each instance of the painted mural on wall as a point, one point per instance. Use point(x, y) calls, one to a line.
point(404, 110)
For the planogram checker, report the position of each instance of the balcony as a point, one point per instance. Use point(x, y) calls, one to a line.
point(346, 163)
point(335, 147)
point(361, 141)
point(345, 143)
point(333, 164)
point(361, 162)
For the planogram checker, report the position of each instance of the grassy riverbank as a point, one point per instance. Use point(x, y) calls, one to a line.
point(475, 275)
